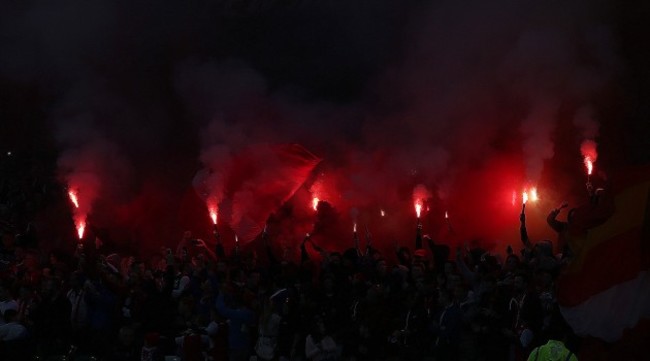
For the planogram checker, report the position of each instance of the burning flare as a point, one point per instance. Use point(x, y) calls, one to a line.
point(382, 212)
point(589, 164)
point(529, 194)
point(590, 154)
point(80, 224)
point(418, 207)
point(420, 194)
point(213, 215)
point(314, 203)
point(73, 198)
point(212, 204)
point(78, 216)
point(446, 215)
point(354, 229)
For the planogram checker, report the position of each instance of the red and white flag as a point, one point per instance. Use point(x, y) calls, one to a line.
point(605, 291)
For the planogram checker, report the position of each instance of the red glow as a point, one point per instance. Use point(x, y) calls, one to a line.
point(213, 215)
point(514, 198)
point(314, 203)
point(524, 197)
point(73, 197)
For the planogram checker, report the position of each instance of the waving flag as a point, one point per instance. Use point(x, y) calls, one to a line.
point(258, 181)
point(605, 292)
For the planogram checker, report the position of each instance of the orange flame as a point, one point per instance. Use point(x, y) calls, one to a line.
point(314, 203)
point(533, 195)
point(589, 164)
point(73, 197)
point(418, 207)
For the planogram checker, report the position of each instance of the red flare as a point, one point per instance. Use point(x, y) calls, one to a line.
point(533, 195)
point(213, 209)
point(524, 197)
point(213, 215)
point(382, 212)
point(314, 203)
point(589, 164)
point(73, 197)
point(354, 229)
point(80, 224)
point(418, 207)
point(590, 154)
point(446, 215)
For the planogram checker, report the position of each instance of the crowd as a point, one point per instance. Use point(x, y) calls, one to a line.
point(200, 302)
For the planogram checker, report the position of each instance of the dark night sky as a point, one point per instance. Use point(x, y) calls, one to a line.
point(389, 93)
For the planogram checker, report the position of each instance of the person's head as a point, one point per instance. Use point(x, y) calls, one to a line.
point(381, 267)
point(444, 298)
point(557, 328)
point(488, 284)
point(335, 258)
point(449, 269)
point(50, 286)
point(328, 282)
point(460, 292)
point(404, 253)
point(520, 282)
point(10, 315)
point(25, 291)
point(571, 215)
point(512, 262)
point(318, 329)
point(76, 280)
point(5, 291)
point(417, 271)
point(126, 336)
point(420, 256)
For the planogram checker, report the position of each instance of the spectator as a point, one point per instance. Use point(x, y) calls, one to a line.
point(12, 329)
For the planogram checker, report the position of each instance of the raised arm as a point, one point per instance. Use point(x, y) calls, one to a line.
point(218, 247)
point(368, 241)
point(523, 233)
point(304, 256)
point(552, 221)
point(183, 244)
point(418, 237)
point(211, 254)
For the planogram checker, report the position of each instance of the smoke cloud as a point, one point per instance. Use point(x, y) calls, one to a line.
point(152, 108)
